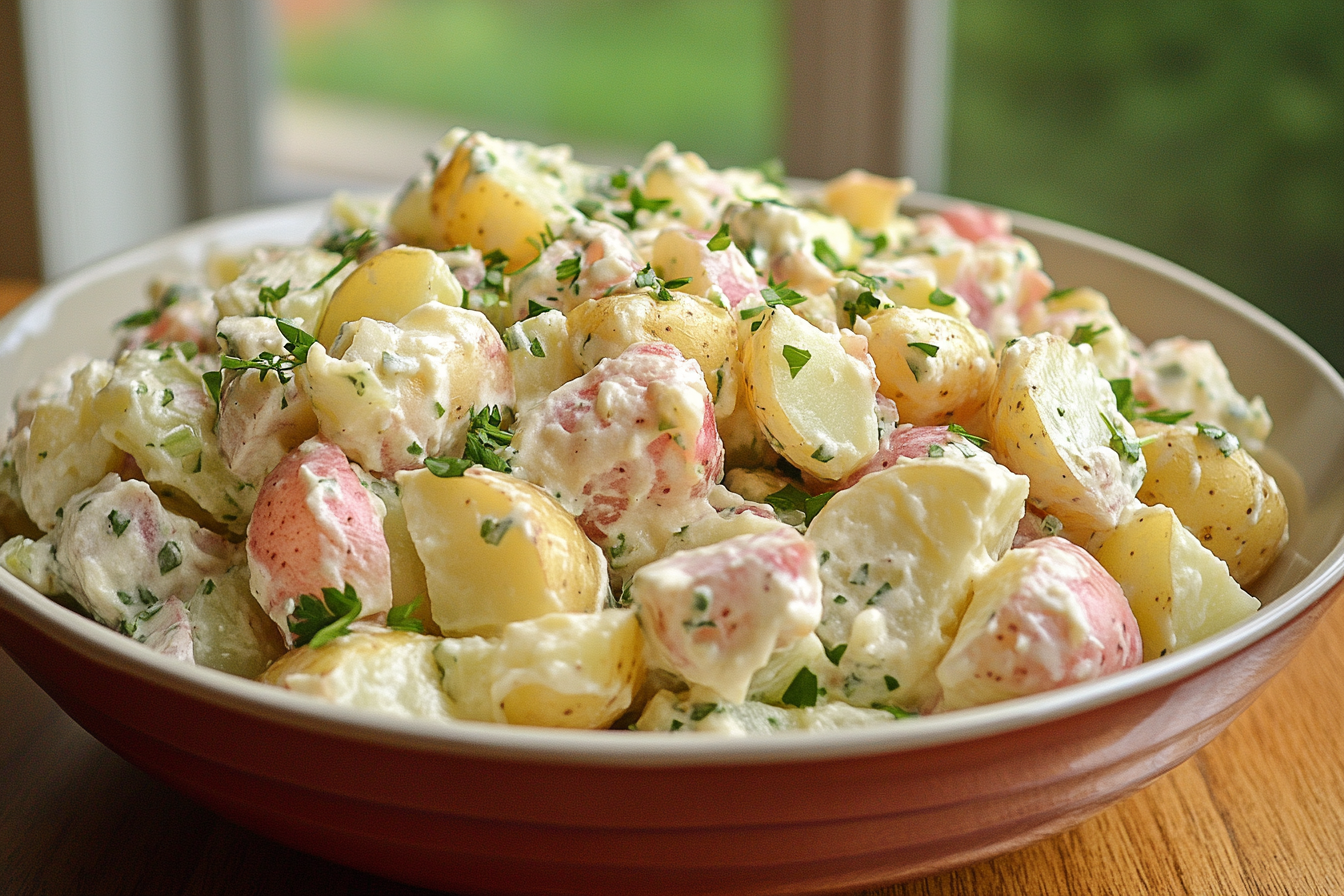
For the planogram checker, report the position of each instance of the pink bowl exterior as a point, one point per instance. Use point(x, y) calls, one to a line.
point(495, 825)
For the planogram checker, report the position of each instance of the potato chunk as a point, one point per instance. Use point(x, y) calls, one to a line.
point(393, 394)
point(714, 615)
point(703, 333)
point(1053, 418)
point(497, 550)
point(898, 552)
point(387, 287)
point(501, 195)
point(814, 401)
point(388, 671)
point(561, 670)
point(936, 368)
point(1044, 616)
point(1180, 592)
point(64, 451)
point(867, 201)
point(1219, 492)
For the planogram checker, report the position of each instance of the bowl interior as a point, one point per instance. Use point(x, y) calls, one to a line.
point(1152, 297)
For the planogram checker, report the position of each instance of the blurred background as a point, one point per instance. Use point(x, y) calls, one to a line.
point(1210, 133)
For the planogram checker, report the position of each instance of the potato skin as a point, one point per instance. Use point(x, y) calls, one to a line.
point(704, 333)
point(949, 386)
point(1228, 502)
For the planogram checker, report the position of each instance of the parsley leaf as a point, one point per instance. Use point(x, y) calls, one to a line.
point(791, 497)
point(941, 299)
point(269, 297)
point(797, 358)
point(1128, 449)
point(139, 319)
point(316, 623)
point(1123, 390)
point(1165, 415)
point(958, 429)
point(567, 271)
point(297, 344)
point(835, 653)
point(170, 557)
point(1224, 440)
point(400, 618)
point(802, 691)
point(720, 240)
point(926, 347)
point(534, 308)
point(349, 252)
point(1086, 334)
point(826, 255)
point(866, 303)
point(448, 467)
point(484, 437)
point(118, 522)
point(700, 710)
point(639, 202)
point(780, 294)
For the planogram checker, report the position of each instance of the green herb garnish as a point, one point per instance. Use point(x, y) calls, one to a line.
point(802, 691)
point(958, 429)
point(720, 240)
point(316, 623)
point(797, 358)
point(400, 618)
point(1224, 440)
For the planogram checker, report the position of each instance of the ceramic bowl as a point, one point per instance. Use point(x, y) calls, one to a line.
point(497, 809)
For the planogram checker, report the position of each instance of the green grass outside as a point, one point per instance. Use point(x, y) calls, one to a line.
point(707, 75)
point(1211, 133)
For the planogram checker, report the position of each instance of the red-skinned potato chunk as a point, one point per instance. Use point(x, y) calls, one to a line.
point(714, 615)
point(1044, 616)
point(629, 448)
point(315, 527)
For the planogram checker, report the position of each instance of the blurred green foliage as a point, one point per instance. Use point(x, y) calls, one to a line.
point(1211, 133)
point(707, 75)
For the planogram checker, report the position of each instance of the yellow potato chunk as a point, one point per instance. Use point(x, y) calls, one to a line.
point(704, 333)
point(1180, 592)
point(492, 196)
point(815, 402)
point(389, 671)
point(562, 670)
point(387, 287)
point(936, 368)
point(1053, 418)
point(1219, 492)
point(540, 357)
point(65, 452)
point(867, 201)
point(497, 550)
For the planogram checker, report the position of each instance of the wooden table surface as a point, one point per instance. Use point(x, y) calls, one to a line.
point(1258, 811)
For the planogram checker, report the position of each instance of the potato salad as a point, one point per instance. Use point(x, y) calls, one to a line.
point(659, 448)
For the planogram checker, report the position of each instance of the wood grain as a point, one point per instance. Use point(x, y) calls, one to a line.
point(1259, 811)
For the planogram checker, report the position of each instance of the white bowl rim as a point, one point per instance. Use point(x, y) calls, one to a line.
point(606, 748)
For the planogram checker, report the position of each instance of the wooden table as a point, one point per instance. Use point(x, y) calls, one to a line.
point(1258, 811)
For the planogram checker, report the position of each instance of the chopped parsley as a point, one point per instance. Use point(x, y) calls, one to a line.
point(567, 272)
point(1051, 526)
point(700, 710)
point(927, 348)
point(936, 450)
point(534, 308)
point(316, 623)
point(271, 296)
point(791, 497)
point(493, 530)
point(720, 240)
point(639, 202)
point(139, 319)
point(959, 430)
point(349, 252)
point(802, 691)
point(824, 454)
point(891, 683)
point(797, 359)
point(941, 299)
point(401, 618)
point(866, 303)
point(1086, 334)
point(834, 654)
point(297, 344)
point(118, 522)
point(448, 467)
point(826, 255)
point(1129, 449)
point(170, 557)
point(1224, 440)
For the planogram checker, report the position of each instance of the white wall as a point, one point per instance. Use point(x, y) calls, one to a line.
point(108, 140)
